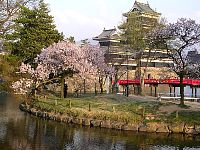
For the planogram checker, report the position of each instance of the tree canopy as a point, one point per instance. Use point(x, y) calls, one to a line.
point(35, 30)
point(9, 10)
point(177, 38)
point(60, 60)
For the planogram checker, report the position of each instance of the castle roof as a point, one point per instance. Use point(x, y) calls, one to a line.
point(143, 8)
point(107, 35)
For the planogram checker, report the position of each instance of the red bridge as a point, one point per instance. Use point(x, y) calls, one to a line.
point(191, 82)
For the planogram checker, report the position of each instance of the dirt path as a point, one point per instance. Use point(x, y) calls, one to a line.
point(170, 105)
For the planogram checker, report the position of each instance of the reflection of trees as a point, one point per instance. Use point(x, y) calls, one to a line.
point(20, 131)
point(85, 139)
point(30, 133)
point(27, 132)
point(41, 134)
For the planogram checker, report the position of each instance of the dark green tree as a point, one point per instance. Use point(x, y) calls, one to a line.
point(35, 30)
point(71, 39)
point(134, 40)
point(134, 31)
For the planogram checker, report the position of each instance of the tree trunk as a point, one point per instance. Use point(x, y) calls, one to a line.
point(142, 75)
point(95, 88)
point(141, 86)
point(181, 89)
point(84, 88)
point(139, 76)
point(62, 87)
point(107, 84)
point(115, 82)
point(101, 84)
point(110, 85)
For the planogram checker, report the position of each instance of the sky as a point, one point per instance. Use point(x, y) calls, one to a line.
point(87, 18)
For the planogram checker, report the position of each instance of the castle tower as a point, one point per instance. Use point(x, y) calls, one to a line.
point(140, 17)
point(142, 14)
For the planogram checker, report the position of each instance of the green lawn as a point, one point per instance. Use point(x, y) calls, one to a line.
point(113, 107)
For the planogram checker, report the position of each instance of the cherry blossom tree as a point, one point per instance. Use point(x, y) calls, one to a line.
point(61, 60)
point(177, 38)
point(22, 86)
point(96, 56)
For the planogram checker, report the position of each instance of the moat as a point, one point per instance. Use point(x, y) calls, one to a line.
point(21, 131)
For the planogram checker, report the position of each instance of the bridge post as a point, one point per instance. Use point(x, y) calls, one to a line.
point(174, 91)
point(138, 90)
point(192, 91)
point(155, 86)
point(170, 90)
point(195, 91)
point(151, 90)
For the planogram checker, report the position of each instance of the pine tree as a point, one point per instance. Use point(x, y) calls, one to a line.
point(35, 31)
point(46, 27)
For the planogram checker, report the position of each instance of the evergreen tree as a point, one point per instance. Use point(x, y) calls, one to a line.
point(35, 30)
point(134, 30)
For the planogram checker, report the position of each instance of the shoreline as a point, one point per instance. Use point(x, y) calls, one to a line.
point(151, 127)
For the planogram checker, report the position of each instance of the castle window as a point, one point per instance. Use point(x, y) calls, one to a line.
point(104, 43)
point(135, 9)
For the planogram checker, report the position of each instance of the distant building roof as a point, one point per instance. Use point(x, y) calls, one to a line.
point(110, 34)
point(142, 7)
point(193, 57)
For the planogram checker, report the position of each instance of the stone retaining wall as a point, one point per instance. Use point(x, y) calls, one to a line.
point(158, 127)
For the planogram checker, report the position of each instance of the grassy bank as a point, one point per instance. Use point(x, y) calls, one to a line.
point(118, 108)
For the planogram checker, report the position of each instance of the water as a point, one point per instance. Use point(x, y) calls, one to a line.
point(20, 131)
point(165, 90)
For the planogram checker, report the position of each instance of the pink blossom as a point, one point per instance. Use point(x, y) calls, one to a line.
point(63, 56)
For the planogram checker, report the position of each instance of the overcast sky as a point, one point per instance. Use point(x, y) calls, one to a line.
point(87, 18)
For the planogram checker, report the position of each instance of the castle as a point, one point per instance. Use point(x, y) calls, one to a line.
point(140, 18)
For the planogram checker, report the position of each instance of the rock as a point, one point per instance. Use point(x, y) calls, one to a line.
point(85, 122)
point(177, 128)
point(33, 111)
point(22, 107)
point(66, 119)
point(129, 126)
point(151, 127)
point(116, 125)
point(106, 124)
point(145, 127)
point(95, 123)
point(197, 128)
point(189, 126)
point(58, 117)
point(39, 113)
point(48, 115)
point(142, 128)
point(45, 115)
point(191, 131)
point(77, 121)
point(162, 128)
point(69, 120)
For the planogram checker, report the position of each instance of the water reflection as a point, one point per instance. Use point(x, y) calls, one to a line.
point(20, 131)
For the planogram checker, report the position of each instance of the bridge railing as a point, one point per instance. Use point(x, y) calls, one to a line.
point(160, 81)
